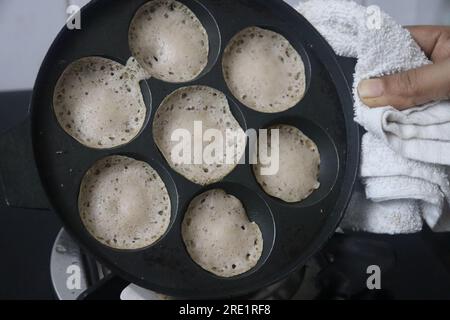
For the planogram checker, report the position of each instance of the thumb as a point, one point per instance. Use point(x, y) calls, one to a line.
point(408, 89)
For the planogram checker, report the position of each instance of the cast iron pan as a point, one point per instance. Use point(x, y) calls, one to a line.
point(292, 232)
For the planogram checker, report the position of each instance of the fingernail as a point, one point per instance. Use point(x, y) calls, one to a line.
point(369, 89)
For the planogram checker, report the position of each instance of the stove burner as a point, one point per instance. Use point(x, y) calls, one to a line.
point(72, 270)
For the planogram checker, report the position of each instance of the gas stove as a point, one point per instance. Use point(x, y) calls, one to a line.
point(337, 272)
point(97, 282)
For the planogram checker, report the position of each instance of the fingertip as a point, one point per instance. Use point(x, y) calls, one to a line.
point(372, 103)
point(371, 92)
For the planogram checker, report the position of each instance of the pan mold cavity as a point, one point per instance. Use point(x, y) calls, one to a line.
point(101, 103)
point(228, 230)
point(295, 172)
point(184, 118)
point(264, 71)
point(124, 203)
point(174, 41)
point(328, 170)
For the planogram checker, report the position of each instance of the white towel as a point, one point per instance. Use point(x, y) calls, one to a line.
point(403, 153)
point(388, 217)
point(389, 176)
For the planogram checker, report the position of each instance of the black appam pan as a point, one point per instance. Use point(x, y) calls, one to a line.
point(292, 233)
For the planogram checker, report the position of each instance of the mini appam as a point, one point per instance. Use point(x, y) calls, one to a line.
point(219, 236)
point(180, 110)
point(264, 71)
point(124, 203)
point(99, 103)
point(299, 166)
point(169, 41)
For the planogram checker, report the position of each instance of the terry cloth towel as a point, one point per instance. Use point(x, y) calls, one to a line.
point(404, 153)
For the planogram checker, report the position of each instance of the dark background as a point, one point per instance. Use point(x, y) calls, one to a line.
point(26, 236)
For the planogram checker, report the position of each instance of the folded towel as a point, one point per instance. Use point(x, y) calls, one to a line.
point(389, 176)
point(403, 152)
point(387, 217)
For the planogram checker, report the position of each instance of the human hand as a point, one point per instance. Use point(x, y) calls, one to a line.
point(417, 86)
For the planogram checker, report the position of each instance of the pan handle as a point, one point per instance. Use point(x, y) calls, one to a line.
point(18, 173)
